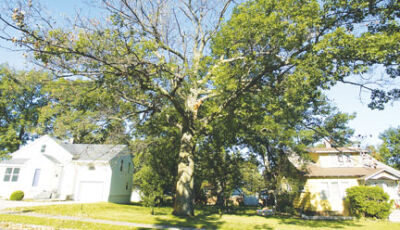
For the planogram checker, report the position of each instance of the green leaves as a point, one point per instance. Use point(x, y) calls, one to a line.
point(368, 201)
point(21, 98)
point(389, 150)
point(81, 110)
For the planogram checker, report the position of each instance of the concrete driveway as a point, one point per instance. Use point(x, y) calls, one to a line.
point(4, 204)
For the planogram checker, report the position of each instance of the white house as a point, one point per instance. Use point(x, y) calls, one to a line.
point(52, 169)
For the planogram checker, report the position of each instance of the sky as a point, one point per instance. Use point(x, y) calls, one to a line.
point(368, 123)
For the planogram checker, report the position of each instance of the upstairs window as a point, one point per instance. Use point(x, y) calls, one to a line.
point(122, 165)
point(129, 167)
point(11, 174)
point(344, 159)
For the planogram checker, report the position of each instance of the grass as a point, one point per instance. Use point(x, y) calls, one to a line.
point(54, 223)
point(206, 217)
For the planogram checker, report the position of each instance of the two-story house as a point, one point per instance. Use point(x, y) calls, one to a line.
point(333, 170)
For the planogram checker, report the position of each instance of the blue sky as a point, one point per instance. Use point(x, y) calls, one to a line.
point(367, 122)
point(346, 97)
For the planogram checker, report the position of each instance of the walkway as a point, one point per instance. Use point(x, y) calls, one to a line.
point(98, 221)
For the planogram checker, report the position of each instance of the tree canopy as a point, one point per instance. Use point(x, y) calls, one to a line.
point(389, 150)
point(21, 98)
point(198, 64)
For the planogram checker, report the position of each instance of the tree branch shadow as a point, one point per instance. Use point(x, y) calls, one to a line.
point(336, 224)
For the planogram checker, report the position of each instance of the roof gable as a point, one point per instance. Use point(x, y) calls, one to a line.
point(43, 145)
point(58, 151)
point(93, 152)
point(382, 174)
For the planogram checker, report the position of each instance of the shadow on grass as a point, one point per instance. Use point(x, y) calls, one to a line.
point(336, 224)
point(209, 217)
point(27, 210)
point(199, 221)
point(206, 217)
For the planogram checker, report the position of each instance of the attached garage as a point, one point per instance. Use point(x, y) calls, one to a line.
point(91, 191)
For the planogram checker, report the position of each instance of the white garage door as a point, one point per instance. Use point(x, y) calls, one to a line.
point(91, 191)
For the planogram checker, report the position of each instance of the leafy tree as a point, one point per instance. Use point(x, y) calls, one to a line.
point(80, 110)
point(21, 98)
point(222, 171)
point(252, 179)
point(389, 151)
point(184, 56)
point(156, 158)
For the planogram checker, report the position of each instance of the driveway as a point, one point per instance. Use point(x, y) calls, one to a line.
point(4, 204)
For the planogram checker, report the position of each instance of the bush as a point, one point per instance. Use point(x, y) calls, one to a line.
point(285, 202)
point(17, 195)
point(368, 201)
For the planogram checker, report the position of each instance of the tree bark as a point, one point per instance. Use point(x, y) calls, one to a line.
point(184, 205)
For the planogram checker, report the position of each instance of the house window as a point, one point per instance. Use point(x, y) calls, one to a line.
point(11, 173)
point(91, 167)
point(43, 149)
point(335, 192)
point(129, 167)
point(324, 190)
point(15, 175)
point(35, 181)
point(7, 175)
point(122, 164)
point(126, 186)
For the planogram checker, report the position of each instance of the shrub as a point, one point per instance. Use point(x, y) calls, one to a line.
point(17, 195)
point(285, 202)
point(368, 201)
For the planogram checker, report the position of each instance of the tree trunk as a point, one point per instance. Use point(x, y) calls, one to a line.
point(183, 205)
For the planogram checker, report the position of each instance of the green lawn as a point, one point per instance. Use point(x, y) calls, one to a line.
point(55, 223)
point(205, 218)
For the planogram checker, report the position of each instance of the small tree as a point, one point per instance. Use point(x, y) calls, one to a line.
point(150, 187)
point(367, 201)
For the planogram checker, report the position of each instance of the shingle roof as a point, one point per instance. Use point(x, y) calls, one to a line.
point(315, 171)
point(16, 161)
point(337, 150)
point(87, 152)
